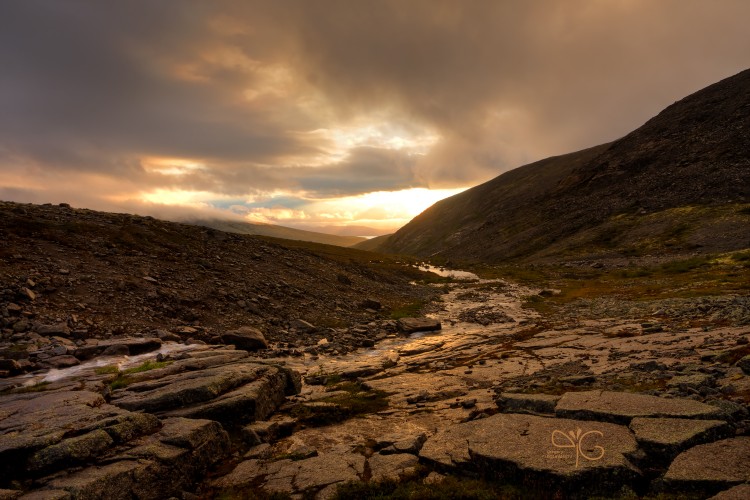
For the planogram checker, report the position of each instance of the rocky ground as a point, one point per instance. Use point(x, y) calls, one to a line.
point(484, 397)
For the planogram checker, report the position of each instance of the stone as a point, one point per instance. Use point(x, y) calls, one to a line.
point(744, 364)
point(371, 304)
point(711, 467)
point(534, 404)
point(245, 338)
point(392, 467)
point(135, 346)
point(411, 325)
point(11, 365)
point(693, 381)
point(665, 437)
point(63, 361)
point(559, 453)
point(10, 494)
point(621, 407)
point(739, 492)
point(56, 329)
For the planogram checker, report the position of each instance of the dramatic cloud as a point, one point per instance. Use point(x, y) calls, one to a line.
point(287, 110)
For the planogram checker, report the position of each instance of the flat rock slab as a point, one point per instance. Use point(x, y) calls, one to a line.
point(560, 453)
point(622, 407)
point(672, 435)
point(235, 393)
point(287, 476)
point(411, 325)
point(709, 468)
point(392, 467)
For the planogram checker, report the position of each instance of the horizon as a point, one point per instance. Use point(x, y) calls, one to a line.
point(334, 117)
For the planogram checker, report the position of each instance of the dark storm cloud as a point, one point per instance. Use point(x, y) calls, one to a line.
point(98, 87)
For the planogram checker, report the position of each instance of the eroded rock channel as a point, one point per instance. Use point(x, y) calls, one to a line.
point(481, 388)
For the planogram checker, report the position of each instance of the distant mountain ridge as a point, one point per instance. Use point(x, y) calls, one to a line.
point(678, 184)
point(287, 233)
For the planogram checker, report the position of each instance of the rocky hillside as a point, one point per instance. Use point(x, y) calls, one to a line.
point(274, 231)
point(87, 274)
point(678, 185)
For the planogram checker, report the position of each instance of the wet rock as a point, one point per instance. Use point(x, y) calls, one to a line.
point(543, 404)
point(63, 361)
point(392, 467)
point(709, 468)
point(621, 407)
point(420, 348)
point(563, 453)
point(665, 437)
point(134, 345)
point(246, 338)
point(411, 325)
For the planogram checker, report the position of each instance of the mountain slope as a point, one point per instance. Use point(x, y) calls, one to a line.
point(102, 273)
point(677, 185)
point(372, 244)
point(283, 232)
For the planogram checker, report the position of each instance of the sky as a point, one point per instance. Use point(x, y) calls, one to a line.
point(348, 117)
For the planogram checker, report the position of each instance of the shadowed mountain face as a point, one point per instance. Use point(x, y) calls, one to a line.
point(679, 184)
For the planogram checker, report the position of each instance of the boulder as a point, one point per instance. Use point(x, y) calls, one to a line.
point(245, 338)
point(663, 438)
point(411, 325)
point(710, 468)
point(740, 492)
point(562, 454)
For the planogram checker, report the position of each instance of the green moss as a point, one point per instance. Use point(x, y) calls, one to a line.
point(38, 387)
point(358, 401)
point(146, 366)
point(408, 310)
point(106, 370)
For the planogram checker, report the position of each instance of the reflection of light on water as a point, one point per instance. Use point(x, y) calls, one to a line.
point(448, 273)
point(121, 362)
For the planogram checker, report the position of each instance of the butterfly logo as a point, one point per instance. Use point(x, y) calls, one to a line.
point(575, 439)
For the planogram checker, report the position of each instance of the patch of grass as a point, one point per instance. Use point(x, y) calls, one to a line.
point(107, 370)
point(146, 366)
point(683, 266)
point(408, 310)
point(120, 382)
point(741, 256)
point(251, 494)
point(123, 380)
point(38, 387)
